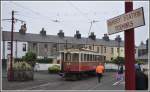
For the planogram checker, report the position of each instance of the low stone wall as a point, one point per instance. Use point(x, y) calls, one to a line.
point(23, 75)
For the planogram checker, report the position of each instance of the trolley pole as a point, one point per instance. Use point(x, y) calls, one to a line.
point(10, 70)
point(129, 53)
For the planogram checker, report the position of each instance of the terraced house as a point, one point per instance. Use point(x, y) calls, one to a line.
point(48, 46)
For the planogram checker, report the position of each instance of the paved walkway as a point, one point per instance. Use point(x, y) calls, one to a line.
point(45, 81)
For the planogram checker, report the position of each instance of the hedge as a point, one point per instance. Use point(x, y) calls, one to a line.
point(48, 60)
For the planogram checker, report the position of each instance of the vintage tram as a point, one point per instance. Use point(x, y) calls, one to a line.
point(77, 62)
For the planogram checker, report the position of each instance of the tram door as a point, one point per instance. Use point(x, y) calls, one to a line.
point(62, 61)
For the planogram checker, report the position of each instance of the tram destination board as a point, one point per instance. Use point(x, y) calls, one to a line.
point(126, 21)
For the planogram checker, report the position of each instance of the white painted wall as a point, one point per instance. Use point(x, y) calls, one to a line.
point(20, 51)
point(18, 48)
point(40, 66)
point(136, 54)
point(112, 66)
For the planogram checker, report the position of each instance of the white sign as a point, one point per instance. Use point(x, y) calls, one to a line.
point(126, 21)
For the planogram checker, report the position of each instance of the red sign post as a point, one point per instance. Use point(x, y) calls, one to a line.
point(129, 53)
point(127, 22)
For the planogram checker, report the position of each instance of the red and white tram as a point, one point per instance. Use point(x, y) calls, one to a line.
point(76, 62)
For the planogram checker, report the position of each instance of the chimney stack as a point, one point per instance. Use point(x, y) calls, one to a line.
point(118, 38)
point(23, 29)
point(43, 32)
point(60, 34)
point(92, 36)
point(77, 35)
point(106, 37)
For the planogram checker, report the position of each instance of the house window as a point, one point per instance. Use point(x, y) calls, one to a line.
point(135, 51)
point(101, 49)
point(45, 46)
point(112, 50)
point(97, 49)
point(118, 50)
point(104, 49)
point(8, 45)
point(34, 45)
point(24, 47)
point(90, 47)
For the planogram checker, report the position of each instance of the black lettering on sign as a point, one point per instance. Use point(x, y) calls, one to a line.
point(124, 26)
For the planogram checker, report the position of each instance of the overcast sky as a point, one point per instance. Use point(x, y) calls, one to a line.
point(73, 15)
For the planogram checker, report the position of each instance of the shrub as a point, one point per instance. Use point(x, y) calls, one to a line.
point(21, 66)
point(22, 71)
point(118, 60)
point(54, 69)
point(139, 62)
point(18, 59)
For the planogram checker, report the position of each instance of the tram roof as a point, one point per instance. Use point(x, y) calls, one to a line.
point(87, 51)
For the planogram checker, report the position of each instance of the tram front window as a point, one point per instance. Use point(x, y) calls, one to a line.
point(75, 57)
point(68, 57)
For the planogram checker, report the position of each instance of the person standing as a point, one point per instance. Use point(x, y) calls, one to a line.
point(120, 72)
point(99, 71)
point(141, 80)
point(119, 75)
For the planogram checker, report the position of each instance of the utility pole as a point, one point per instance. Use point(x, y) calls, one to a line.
point(10, 69)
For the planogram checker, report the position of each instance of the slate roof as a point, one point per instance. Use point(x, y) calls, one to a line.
point(30, 37)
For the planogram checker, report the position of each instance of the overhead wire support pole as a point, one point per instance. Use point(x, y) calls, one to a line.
point(10, 69)
point(93, 21)
point(89, 31)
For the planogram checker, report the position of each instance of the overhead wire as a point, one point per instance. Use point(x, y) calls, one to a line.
point(32, 11)
point(48, 19)
point(91, 22)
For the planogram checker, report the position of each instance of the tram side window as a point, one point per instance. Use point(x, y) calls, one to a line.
point(93, 57)
point(75, 57)
point(68, 57)
point(97, 58)
point(100, 58)
point(90, 57)
point(85, 57)
point(81, 57)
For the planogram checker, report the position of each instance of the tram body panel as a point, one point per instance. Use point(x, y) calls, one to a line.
point(79, 66)
point(71, 67)
point(88, 66)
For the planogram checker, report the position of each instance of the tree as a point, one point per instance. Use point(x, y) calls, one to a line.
point(119, 60)
point(30, 58)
